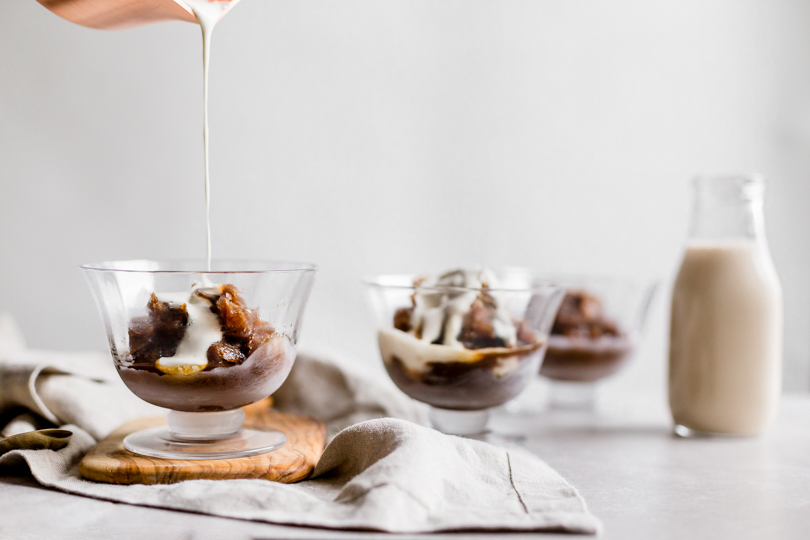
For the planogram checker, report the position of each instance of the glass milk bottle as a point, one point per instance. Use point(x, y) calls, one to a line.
point(725, 356)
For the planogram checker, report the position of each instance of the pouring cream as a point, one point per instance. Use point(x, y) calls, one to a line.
point(208, 13)
point(204, 329)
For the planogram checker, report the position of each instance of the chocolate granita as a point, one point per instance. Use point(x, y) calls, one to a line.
point(456, 347)
point(584, 345)
point(203, 350)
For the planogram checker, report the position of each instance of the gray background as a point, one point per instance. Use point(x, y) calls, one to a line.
point(376, 136)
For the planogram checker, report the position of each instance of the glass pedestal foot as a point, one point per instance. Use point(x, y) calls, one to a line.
point(471, 425)
point(463, 423)
point(572, 396)
point(214, 435)
point(689, 433)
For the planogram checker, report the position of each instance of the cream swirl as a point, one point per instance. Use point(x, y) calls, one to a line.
point(440, 305)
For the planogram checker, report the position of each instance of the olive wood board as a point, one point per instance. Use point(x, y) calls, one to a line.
point(109, 462)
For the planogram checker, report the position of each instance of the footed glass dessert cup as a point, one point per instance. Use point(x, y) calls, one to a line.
point(203, 344)
point(462, 342)
point(596, 332)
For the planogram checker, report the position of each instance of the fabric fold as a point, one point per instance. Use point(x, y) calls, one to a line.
point(381, 471)
point(386, 475)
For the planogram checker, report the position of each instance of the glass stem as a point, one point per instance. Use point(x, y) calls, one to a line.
point(206, 425)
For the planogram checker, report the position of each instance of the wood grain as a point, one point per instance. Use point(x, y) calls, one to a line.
point(109, 462)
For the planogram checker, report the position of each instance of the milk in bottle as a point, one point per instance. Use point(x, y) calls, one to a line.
point(725, 359)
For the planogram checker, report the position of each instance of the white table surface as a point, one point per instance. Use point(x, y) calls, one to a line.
point(636, 477)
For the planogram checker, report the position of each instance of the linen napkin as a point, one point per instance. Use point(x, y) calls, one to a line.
point(386, 474)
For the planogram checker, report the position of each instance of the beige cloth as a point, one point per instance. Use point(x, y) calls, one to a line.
point(383, 474)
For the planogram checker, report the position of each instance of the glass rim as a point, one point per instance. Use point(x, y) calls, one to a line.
point(274, 266)
point(728, 180)
point(574, 279)
point(376, 282)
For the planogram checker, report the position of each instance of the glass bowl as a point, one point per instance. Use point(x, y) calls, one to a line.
point(440, 349)
point(203, 344)
point(596, 332)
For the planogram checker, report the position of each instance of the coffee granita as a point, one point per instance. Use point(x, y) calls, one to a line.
point(203, 350)
point(456, 347)
point(584, 345)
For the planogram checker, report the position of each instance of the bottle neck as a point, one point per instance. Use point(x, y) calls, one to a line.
point(727, 209)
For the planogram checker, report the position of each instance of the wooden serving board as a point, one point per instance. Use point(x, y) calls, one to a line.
point(109, 462)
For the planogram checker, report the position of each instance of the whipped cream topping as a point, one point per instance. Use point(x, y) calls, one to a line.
point(203, 328)
point(440, 311)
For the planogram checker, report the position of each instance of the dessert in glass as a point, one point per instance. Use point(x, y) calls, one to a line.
point(203, 344)
point(464, 341)
point(596, 332)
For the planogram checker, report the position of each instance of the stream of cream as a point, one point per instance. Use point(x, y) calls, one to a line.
point(204, 328)
point(208, 13)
